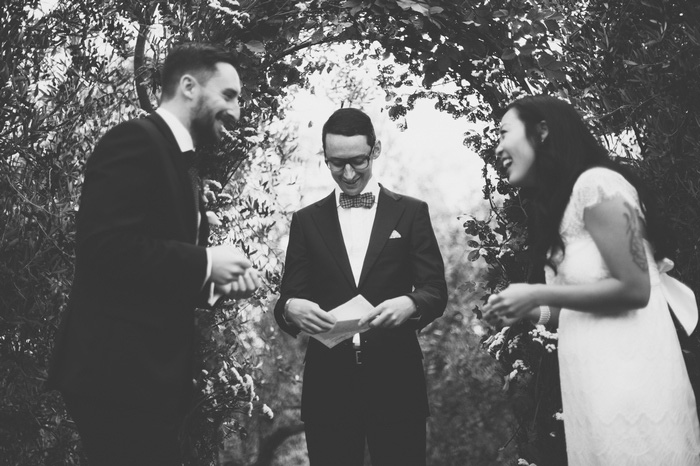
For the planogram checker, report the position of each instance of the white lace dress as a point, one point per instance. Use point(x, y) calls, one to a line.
point(627, 400)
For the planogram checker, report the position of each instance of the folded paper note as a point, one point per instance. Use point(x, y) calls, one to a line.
point(348, 315)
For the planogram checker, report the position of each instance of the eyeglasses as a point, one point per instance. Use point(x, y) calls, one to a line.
point(361, 162)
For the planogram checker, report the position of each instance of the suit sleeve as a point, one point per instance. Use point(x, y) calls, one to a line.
point(126, 228)
point(430, 287)
point(297, 274)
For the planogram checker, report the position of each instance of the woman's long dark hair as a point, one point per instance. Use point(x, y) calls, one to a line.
point(568, 150)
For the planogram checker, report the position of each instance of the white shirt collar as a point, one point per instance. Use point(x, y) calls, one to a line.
point(182, 136)
point(372, 187)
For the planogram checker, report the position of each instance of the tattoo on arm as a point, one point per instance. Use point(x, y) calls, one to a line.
point(636, 239)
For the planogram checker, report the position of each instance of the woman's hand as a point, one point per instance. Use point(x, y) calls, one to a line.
point(516, 302)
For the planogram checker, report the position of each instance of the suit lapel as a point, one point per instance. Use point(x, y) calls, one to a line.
point(389, 211)
point(177, 173)
point(326, 218)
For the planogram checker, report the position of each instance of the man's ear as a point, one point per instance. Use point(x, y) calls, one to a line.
point(188, 83)
point(377, 149)
point(543, 130)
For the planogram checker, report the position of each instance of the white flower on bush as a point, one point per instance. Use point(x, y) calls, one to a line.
point(523, 462)
point(520, 365)
point(213, 219)
point(496, 340)
point(545, 338)
point(267, 411)
point(250, 386)
point(514, 343)
point(559, 416)
point(225, 198)
point(512, 375)
point(238, 376)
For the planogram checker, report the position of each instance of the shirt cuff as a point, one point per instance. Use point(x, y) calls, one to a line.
point(213, 295)
point(284, 313)
point(209, 266)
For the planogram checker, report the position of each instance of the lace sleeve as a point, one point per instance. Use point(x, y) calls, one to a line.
point(600, 184)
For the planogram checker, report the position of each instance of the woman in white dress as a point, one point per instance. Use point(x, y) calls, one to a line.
point(626, 396)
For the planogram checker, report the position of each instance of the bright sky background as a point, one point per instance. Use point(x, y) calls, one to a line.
point(427, 160)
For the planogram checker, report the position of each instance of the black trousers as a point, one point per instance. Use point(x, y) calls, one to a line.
point(400, 443)
point(118, 436)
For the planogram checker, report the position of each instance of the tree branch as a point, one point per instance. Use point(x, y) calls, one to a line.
point(139, 60)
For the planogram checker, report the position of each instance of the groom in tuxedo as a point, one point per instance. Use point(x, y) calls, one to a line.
point(123, 356)
point(365, 240)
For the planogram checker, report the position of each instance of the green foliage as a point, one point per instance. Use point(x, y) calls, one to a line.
point(528, 361)
point(471, 421)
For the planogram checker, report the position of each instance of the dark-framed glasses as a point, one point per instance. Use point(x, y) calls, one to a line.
point(361, 162)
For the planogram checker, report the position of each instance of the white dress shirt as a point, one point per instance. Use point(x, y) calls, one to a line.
point(356, 225)
point(185, 143)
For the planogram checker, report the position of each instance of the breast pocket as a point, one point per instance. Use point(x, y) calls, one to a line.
point(398, 245)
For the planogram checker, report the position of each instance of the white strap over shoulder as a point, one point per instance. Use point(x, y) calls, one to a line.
point(679, 297)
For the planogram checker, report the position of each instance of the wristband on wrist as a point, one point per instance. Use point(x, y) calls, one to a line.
point(545, 314)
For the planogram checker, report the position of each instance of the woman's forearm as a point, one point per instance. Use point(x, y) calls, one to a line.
point(606, 296)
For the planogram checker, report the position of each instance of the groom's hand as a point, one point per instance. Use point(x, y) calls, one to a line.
point(227, 264)
point(308, 316)
point(391, 313)
point(245, 286)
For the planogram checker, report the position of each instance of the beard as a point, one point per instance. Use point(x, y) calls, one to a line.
point(204, 127)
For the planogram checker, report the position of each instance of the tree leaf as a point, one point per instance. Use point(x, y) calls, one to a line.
point(351, 4)
point(508, 54)
point(255, 46)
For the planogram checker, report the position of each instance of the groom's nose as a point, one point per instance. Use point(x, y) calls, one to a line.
point(348, 171)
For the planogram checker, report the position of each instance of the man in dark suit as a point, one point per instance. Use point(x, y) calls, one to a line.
point(362, 240)
point(123, 357)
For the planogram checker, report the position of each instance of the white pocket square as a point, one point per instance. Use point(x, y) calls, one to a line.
point(395, 234)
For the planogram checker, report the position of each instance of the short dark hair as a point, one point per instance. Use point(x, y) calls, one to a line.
point(192, 57)
point(349, 122)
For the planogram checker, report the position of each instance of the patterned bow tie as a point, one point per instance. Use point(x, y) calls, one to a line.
point(365, 200)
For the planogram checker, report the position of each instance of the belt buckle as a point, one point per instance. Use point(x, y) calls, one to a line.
point(358, 357)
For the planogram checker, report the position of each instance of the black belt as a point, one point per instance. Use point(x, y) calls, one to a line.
point(358, 354)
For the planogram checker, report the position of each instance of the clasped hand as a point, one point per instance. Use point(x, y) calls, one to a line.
point(232, 273)
point(514, 303)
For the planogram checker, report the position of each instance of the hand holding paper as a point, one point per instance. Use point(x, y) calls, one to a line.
point(391, 313)
point(347, 318)
point(308, 316)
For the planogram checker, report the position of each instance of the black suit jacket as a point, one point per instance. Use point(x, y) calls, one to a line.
point(317, 268)
point(127, 334)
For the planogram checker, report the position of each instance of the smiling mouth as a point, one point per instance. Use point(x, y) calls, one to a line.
point(227, 120)
point(506, 163)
